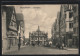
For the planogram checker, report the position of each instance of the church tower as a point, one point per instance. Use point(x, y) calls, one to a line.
point(38, 29)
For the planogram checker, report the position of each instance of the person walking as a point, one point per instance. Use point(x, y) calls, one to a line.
point(56, 45)
point(59, 45)
point(62, 45)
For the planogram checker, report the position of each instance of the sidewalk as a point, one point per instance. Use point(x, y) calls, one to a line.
point(14, 48)
point(65, 48)
point(71, 48)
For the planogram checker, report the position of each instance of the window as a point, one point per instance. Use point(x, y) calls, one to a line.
point(41, 38)
point(75, 19)
point(70, 36)
point(31, 38)
point(70, 14)
point(70, 25)
point(74, 8)
point(70, 7)
point(74, 30)
point(35, 38)
point(15, 25)
point(77, 30)
point(11, 23)
point(45, 38)
point(65, 15)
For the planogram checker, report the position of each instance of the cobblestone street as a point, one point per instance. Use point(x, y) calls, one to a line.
point(30, 50)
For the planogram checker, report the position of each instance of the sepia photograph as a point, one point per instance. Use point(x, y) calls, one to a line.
point(40, 29)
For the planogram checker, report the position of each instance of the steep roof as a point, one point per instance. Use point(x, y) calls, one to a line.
point(9, 12)
point(19, 17)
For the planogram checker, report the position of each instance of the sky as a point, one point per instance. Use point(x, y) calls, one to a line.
point(38, 15)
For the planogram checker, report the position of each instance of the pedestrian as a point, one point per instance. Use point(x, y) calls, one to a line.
point(19, 46)
point(59, 45)
point(62, 45)
point(32, 44)
point(56, 45)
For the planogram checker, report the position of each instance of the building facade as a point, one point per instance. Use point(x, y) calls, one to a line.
point(20, 28)
point(38, 37)
point(4, 35)
point(75, 25)
point(68, 26)
point(9, 27)
point(56, 30)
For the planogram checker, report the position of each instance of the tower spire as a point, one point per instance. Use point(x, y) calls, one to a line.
point(38, 28)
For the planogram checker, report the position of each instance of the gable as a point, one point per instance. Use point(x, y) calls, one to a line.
point(13, 24)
